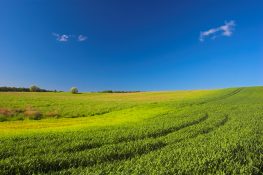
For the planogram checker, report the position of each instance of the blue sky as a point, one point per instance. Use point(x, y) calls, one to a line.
point(131, 45)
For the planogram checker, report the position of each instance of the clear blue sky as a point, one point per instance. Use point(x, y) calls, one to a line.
point(132, 44)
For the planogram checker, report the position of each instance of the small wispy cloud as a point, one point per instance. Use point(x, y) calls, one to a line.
point(213, 33)
point(61, 38)
point(82, 38)
point(65, 37)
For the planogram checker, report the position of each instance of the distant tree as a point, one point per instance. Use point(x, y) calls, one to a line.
point(34, 89)
point(74, 90)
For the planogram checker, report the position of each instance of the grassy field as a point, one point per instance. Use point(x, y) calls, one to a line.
point(181, 132)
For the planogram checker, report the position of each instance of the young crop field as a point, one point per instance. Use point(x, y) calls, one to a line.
point(177, 132)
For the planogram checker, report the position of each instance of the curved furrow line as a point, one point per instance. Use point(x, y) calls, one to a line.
point(222, 97)
point(61, 162)
point(205, 130)
point(155, 135)
point(89, 146)
point(114, 152)
point(162, 144)
point(217, 125)
point(174, 129)
point(119, 152)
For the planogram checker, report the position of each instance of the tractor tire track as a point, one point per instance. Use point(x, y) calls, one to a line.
point(154, 135)
point(221, 97)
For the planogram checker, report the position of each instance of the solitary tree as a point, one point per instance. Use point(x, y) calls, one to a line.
point(34, 88)
point(74, 90)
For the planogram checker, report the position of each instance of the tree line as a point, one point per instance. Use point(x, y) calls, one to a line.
point(34, 88)
point(111, 91)
point(23, 89)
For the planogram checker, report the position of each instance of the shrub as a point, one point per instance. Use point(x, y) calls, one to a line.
point(53, 114)
point(6, 112)
point(33, 115)
point(3, 118)
point(34, 88)
point(74, 90)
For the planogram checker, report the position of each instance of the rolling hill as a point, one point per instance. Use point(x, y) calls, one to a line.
point(177, 132)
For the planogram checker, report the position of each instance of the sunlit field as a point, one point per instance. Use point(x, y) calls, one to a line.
point(178, 132)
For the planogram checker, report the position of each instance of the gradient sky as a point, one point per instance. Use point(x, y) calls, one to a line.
point(132, 44)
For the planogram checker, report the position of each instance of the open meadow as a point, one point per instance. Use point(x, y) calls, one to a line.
point(131, 87)
point(178, 132)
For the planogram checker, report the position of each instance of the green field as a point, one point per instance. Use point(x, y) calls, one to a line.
point(178, 132)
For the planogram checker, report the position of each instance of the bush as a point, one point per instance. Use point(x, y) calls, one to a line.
point(3, 118)
point(34, 89)
point(74, 90)
point(54, 114)
point(33, 115)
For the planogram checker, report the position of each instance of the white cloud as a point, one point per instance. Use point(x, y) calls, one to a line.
point(61, 38)
point(224, 30)
point(65, 38)
point(82, 38)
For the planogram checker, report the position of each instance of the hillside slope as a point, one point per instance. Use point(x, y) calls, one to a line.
point(182, 132)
